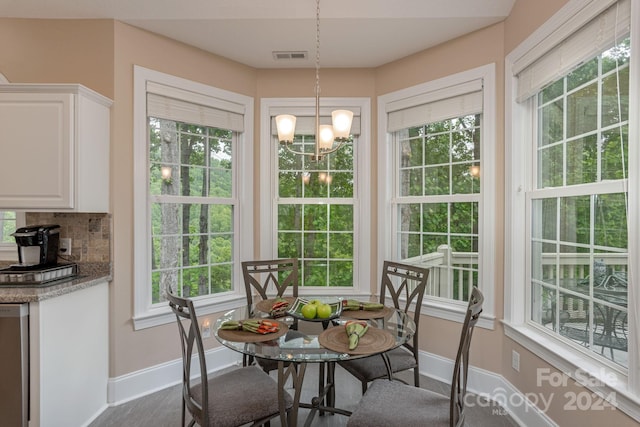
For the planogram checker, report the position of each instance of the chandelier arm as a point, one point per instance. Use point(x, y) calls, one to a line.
point(302, 153)
point(334, 149)
point(286, 124)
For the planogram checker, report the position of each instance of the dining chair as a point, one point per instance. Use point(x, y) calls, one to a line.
point(405, 285)
point(264, 277)
point(269, 279)
point(221, 400)
point(393, 403)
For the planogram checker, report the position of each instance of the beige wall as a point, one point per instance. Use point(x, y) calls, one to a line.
point(135, 350)
point(58, 51)
point(101, 53)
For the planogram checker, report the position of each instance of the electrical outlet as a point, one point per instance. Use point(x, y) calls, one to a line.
point(206, 329)
point(515, 360)
point(65, 247)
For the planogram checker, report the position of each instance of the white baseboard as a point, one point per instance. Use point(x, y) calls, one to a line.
point(149, 380)
point(485, 384)
point(490, 386)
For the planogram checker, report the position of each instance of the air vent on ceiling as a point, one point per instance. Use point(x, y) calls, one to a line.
point(280, 55)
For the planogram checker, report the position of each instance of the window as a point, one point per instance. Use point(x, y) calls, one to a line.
point(319, 210)
point(9, 222)
point(190, 211)
point(439, 149)
point(569, 193)
point(578, 236)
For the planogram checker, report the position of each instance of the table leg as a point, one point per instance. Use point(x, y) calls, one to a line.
point(321, 384)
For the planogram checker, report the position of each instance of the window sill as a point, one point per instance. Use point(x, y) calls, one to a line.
point(585, 371)
point(162, 314)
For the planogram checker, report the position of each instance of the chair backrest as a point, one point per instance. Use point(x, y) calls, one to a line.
point(280, 274)
point(190, 340)
point(461, 366)
point(408, 282)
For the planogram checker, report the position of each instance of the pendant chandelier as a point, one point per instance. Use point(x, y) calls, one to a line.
point(329, 138)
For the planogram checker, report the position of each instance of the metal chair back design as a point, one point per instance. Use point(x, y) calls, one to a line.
point(190, 340)
point(406, 285)
point(262, 276)
point(461, 366)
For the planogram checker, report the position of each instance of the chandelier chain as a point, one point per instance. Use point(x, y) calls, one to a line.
point(317, 48)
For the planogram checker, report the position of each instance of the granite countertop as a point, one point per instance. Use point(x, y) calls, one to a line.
point(89, 274)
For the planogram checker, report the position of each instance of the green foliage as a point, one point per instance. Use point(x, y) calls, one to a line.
point(8, 226)
point(586, 144)
point(191, 241)
point(314, 224)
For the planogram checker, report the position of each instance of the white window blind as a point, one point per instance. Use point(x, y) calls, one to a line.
point(566, 48)
point(171, 103)
point(448, 103)
point(306, 120)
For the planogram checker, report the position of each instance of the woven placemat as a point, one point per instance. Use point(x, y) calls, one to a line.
point(244, 336)
point(266, 304)
point(374, 341)
point(384, 312)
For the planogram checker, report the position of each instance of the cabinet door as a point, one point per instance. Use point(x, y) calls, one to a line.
point(36, 140)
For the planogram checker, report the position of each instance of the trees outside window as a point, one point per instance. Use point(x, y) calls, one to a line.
point(438, 194)
point(578, 240)
point(9, 222)
point(192, 208)
point(193, 226)
point(7, 226)
point(571, 195)
point(437, 163)
point(318, 211)
point(315, 214)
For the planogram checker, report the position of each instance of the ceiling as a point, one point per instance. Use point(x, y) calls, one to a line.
point(353, 33)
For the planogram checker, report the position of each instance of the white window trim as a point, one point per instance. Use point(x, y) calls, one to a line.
point(626, 388)
point(146, 315)
point(438, 307)
point(9, 251)
point(362, 198)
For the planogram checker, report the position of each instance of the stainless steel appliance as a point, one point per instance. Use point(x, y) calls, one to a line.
point(14, 365)
point(37, 245)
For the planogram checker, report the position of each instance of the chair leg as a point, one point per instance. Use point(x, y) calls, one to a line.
point(416, 376)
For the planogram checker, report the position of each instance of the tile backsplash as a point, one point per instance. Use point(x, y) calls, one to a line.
point(90, 233)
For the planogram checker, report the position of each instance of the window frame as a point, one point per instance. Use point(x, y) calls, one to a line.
point(434, 90)
point(519, 142)
point(362, 190)
point(147, 314)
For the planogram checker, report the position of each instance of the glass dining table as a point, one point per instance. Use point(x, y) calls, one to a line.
point(299, 342)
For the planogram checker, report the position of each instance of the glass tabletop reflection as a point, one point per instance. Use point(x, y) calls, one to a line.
point(300, 342)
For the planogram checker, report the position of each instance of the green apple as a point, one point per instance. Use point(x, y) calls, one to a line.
point(315, 302)
point(308, 311)
point(324, 311)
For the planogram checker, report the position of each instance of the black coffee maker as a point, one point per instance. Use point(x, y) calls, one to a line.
point(37, 245)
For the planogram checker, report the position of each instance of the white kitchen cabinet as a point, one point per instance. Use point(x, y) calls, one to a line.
point(54, 141)
point(69, 357)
